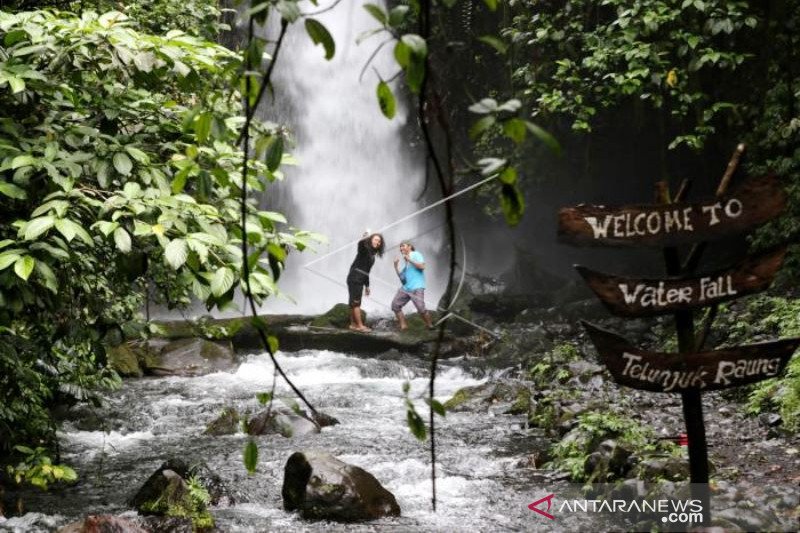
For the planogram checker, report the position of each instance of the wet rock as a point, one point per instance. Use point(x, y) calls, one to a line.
point(168, 524)
point(321, 487)
point(102, 524)
point(192, 357)
point(481, 397)
point(745, 519)
point(337, 316)
point(282, 422)
point(226, 423)
point(609, 461)
point(669, 467)
point(219, 494)
point(323, 420)
point(770, 420)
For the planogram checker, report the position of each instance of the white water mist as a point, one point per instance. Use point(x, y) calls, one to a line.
point(357, 169)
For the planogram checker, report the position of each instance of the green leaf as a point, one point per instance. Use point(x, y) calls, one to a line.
point(437, 407)
point(415, 44)
point(491, 4)
point(22, 161)
point(543, 136)
point(319, 35)
point(415, 423)
point(69, 229)
point(264, 397)
point(274, 153)
point(487, 105)
point(273, 344)
point(47, 275)
point(397, 14)
point(7, 259)
point(176, 253)
point(515, 130)
point(250, 456)
point(289, 9)
point(123, 240)
point(202, 127)
point(386, 100)
point(378, 13)
point(273, 216)
point(512, 203)
point(122, 163)
point(508, 175)
point(37, 226)
point(105, 226)
point(222, 281)
point(481, 125)
point(138, 155)
point(495, 43)
point(24, 266)
point(12, 191)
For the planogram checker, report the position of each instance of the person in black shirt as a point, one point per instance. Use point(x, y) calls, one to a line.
point(358, 277)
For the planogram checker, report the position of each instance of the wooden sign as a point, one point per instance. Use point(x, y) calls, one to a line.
point(755, 202)
point(647, 297)
point(679, 372)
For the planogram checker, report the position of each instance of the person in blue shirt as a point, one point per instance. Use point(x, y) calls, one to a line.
point(412, 276)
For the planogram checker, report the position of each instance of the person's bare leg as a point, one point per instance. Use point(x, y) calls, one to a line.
point(355, 318)
point(426, 316)
point(401, 318)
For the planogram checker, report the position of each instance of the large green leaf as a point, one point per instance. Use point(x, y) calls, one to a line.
point(37, 226)
point(319, 35)
point(176, 253)
point(12, 191)
point(24, 266)
point(7, 259)
point(123, 240)
point(222, 281)
point(122, 163)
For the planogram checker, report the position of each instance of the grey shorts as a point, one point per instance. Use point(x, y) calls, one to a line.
point(417, 297)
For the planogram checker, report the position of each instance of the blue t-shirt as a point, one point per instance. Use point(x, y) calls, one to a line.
point(415, 278)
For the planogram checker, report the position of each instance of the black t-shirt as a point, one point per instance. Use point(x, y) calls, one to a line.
point(362, 264)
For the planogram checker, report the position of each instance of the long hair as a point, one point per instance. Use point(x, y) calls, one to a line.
point(380, 249)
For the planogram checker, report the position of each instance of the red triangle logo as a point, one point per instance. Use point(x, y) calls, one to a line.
point(549, 500)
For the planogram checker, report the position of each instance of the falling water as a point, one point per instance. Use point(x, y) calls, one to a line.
point(356, 170)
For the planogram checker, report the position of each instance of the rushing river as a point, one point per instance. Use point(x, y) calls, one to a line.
point(480, 484)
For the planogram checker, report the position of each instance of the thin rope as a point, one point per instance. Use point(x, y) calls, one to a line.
point(407, 217)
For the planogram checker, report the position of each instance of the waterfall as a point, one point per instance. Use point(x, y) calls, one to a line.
point(356, 169)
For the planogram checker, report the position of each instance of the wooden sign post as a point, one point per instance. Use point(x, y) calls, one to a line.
point(668, 224)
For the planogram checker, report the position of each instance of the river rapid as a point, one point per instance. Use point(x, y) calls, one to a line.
point(480, 485)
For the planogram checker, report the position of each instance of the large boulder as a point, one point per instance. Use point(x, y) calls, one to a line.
point(192, 357)
point(283, 422)
point(124, 358)
point(321, 487)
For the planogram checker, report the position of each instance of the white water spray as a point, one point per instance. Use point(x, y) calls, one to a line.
point(357, 169)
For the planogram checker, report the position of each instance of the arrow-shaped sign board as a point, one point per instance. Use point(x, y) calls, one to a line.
point(757, 201)
point(673, 372)
point(645, 297)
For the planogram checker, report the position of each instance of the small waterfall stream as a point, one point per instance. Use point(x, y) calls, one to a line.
point(480, 486)
point(356, 169)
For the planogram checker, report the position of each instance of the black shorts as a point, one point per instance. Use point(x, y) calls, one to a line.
point(355, 290)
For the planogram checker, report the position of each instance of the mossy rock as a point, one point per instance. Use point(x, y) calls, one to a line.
point(226, 423)
point(337, 317)
point(124, 358)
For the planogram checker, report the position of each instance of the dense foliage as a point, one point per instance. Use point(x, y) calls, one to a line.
point(120, 176)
